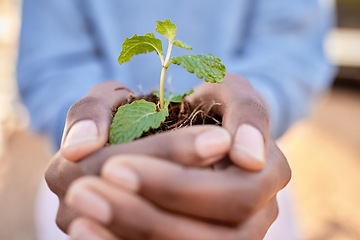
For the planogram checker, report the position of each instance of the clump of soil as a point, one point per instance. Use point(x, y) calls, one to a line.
point(181, 114)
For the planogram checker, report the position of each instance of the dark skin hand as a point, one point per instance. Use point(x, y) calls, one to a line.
point(202, 204)
point(240, 196)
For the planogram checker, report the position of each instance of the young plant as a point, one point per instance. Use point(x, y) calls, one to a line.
point(132, 120)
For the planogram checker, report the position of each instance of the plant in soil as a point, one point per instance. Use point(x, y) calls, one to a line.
point(141, 117)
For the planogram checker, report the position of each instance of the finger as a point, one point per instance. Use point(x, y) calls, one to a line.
point(244, 115)
point(231, 195)
point(197, 146)
point(87, 229)
point(65, 215)
point(257, 226)
point(131, 217)
point(89, 119)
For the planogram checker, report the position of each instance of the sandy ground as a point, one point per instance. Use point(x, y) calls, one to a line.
point(323, 151)
point(21, 169)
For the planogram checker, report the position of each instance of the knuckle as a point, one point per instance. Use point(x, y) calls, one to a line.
point(253, 112)
point(275, 212)
point(126, 224)
point(245, 203)
point(284, 169)
point(287, 174)
point(64, 216)
point(190, 158)
point(83, 102)
point(186, 150)
point(86, 107)
point(178, 147)
point(61, 224)
point(257, 108)
point(60, 174)
point(53, 176)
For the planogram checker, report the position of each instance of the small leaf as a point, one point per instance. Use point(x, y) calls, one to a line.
point(138, 45)
point(167, 29)
point(173, 96)
point(205, 66)
point(182, 44)
point(132, 120)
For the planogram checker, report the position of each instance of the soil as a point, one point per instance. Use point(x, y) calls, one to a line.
point(181, 114)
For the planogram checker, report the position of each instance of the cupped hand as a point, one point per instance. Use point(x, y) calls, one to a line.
point(244, 117)
point(142, 197)
point(243, 113)
point(86, 132)
point(188, 147)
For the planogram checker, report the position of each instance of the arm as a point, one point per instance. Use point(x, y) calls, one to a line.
point(284, 57)
point(58, 61)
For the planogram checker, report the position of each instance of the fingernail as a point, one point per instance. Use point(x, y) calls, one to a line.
point(89, 203)
point(81, 132)
point(249, 142)
point(121, 175)
point(213, 143)
point(81, 232)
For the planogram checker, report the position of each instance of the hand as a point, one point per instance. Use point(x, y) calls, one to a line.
point(141, 197)
point(243, 114)
point(62, 172)
point(188, 146)
point(87, 129)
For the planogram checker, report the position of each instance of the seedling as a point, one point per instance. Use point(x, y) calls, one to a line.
point(132, 120)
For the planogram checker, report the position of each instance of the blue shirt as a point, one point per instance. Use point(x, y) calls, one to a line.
point(68, 46)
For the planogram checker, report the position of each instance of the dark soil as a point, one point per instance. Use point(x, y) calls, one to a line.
point(181, 114)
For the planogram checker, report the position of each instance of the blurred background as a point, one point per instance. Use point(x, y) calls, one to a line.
point(323, 150)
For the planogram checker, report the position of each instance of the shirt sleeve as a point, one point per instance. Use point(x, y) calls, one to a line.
point(284, 56)
point(57, 57)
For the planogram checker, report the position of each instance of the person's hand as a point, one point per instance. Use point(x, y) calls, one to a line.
point(61, 172)
point(87, 129)
point(188, 147)
point(243, 114)
point(142, 197)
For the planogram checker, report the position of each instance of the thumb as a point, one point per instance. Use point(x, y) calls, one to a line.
point(88, 120)
point(244, 116)
point(247, 120)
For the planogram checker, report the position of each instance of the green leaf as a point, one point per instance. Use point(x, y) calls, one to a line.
point(174, 96)
point(132, 120)
point(167, 29)
point(138, 45)
point(182, 44)
point(205, 66)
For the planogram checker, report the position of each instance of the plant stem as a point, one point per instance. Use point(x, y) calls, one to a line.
point(162, 84)
point(165, 65)
point(168, 53)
